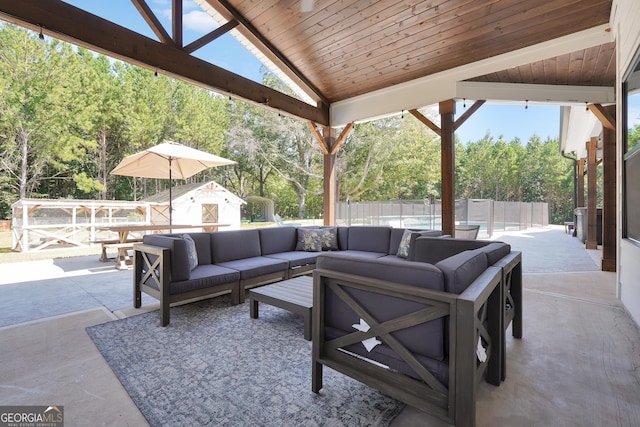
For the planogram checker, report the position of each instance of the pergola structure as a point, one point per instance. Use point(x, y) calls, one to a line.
point(352, 61)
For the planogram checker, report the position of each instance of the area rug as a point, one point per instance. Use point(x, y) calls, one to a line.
point(215, 366)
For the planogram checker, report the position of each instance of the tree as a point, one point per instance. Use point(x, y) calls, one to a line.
point(244, 138)
point(35, 109)
point(363, 158)
point(100, 120)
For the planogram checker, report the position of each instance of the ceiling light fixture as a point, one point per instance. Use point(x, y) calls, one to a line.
point(41, 36)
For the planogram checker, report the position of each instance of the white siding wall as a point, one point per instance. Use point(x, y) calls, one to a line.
point(625, 24)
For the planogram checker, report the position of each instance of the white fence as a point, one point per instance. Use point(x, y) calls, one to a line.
point(44, 223)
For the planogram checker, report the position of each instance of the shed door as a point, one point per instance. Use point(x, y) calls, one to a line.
point(209, 213)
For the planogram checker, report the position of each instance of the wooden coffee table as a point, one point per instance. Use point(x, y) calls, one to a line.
point(294, 295)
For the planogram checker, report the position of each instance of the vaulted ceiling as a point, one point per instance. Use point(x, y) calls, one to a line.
point(358, 59)
point(350, 48)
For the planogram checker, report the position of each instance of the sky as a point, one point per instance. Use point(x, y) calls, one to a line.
point(508, 121)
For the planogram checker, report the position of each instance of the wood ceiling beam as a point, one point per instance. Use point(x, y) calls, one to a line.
point(463, 118)
point(341, 138)
point(557, 94)
point(208, 38)
point(603, 115)
point(176, 22)
point(434, 127)
point(335, 146)
point(318, 137)
point(263, 44)
point(65, 22)
point(152, 21)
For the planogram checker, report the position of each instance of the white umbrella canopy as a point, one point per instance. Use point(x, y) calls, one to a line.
point(167, 161)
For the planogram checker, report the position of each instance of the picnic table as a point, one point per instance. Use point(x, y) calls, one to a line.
point(124, 244)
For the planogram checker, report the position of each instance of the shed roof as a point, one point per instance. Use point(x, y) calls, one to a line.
point(178, 191)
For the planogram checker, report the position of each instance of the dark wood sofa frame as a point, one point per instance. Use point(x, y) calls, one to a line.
point(154, 267)
point(475, 313)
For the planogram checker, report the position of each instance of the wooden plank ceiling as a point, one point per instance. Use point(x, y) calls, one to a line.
point(348, 48)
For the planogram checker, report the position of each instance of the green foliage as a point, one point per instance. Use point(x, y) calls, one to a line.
point(536, 172)
point(68, 116)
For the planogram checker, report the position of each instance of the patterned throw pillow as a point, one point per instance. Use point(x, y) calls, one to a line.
point(309, 240)
point(403, 248)
point(191, 251)
point(329, 238)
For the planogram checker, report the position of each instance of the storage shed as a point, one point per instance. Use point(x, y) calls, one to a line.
point(197, 203)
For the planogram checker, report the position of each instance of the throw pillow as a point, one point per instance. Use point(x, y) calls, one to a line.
point(309, 240)
point(191, 251)
point(329, 238)
point(405, 242)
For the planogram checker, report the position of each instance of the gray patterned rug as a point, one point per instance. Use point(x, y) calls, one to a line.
point(215, 366)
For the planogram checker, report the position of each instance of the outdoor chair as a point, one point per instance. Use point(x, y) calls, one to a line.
point(467, 231)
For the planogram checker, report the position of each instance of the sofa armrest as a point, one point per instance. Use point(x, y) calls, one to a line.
point(435, 249)
point(179, 254)
point(152, 272)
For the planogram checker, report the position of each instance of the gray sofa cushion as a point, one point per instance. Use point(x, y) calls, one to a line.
point(205, 276)
point(203, 247)
point(362, 254)
point(462, 269)
point(495, 251)
point(426, 339)
point(343, 238)
point(295, 258)
point(370, 239)
point(434, 249)
point(387, 356)
point(179, 257)
point(277, 239)
point(255, 266)
point(392, 269)
point(234, 245)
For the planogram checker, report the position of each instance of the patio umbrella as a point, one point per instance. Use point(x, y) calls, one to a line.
point(167, 161)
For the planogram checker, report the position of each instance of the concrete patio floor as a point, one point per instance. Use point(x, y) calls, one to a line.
point(576, 364)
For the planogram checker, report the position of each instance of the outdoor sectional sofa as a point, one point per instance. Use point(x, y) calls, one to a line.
point(435, 308)
point(166, 268)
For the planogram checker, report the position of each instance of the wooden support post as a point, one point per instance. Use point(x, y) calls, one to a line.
point(447, 149)
point(609, 195)
point(592, 202)
point(329, 199)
